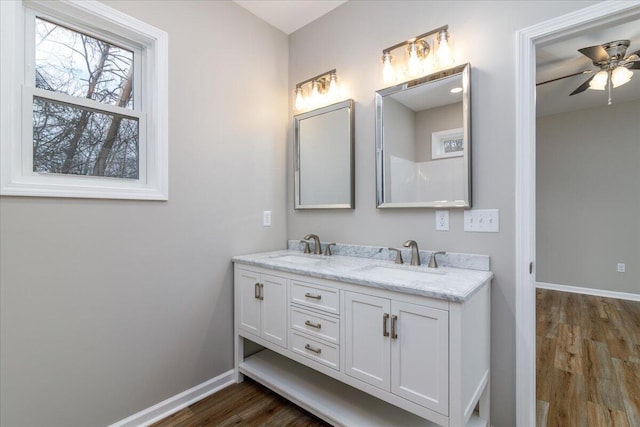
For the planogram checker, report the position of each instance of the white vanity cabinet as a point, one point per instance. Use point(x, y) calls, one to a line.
point(261, 300)
point(399, 347)
point(361, 355)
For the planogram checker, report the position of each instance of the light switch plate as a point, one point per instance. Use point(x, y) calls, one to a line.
point(621, 267)
point(482, 220)
point(266, 218)
point(442, 220)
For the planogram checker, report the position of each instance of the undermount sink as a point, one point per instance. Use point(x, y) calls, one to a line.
point(384, 272)
point(297, 259)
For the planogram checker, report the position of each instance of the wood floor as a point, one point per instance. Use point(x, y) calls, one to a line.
point(588, 361)
point(244, 404)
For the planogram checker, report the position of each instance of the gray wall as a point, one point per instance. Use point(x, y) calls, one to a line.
point(588, 197)
point(352, 38)
point(435, 120)
point(400, 138)
point(109, 307)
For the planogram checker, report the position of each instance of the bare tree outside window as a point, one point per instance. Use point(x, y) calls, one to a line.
point(74, 139)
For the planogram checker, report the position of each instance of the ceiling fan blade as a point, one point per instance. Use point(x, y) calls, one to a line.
point(635, 65)
point(633, 56)
point(595, 53)
point(584, 86)
point(564, 77)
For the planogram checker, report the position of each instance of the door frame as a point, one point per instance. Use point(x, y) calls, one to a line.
point(605, 13)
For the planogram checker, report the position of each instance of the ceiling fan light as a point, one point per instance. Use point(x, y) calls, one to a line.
point(599, 81)
point(620, 76)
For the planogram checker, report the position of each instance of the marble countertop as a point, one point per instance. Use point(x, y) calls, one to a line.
point(447, 283)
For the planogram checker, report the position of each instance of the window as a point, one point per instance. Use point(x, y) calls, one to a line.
point(84, 103)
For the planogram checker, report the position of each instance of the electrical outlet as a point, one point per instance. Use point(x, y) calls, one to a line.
point(266, 218)
point(621, 267)
point(482, 220)
point(442, 220)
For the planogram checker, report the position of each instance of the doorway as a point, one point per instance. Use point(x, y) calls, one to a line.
point(597, 16)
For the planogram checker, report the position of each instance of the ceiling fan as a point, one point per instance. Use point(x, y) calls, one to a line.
point(615, 67)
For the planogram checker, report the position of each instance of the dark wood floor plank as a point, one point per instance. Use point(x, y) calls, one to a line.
point(604, 391)
point(568, 405)
point(601, 416)
point(597, 360)
point(549, 318)
point(242, 405)
point(544, 364)
point(628, 374)
point(569, 348)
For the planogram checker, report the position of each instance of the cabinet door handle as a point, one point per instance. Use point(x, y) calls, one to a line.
point(258, 291)
point(385, 319)
point(394, 332)
point(308, 295)
point(314, 349)
point(313, 325)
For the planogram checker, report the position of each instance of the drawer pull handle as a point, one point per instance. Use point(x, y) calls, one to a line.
point(308, 295)
point(310, 348)
point(385, 319)
point(313, 325)
point(394, 332)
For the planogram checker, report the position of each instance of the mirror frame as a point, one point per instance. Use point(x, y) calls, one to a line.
point(465, 71)
point(349, 105)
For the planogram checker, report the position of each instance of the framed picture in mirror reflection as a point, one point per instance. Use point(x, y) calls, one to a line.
point(447, 143)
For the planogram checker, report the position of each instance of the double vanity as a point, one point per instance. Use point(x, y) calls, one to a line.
point(361, 341)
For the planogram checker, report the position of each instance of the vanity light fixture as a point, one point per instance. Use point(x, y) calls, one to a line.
point(320, 90)
point(415, 61)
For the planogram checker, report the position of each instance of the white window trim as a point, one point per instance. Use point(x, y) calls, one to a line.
point(16, 177)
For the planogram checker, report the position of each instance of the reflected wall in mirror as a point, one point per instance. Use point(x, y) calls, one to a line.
point(423, 141)
point(324, 158)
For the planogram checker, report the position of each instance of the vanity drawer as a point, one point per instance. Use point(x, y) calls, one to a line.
point(315, 296)
point(314, 324)
point(327, 354)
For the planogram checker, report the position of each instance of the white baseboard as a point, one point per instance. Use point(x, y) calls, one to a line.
point(179, 401)
point(588, 291)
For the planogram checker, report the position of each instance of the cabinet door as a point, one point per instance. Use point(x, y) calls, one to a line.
point(274, 309)
point(420, 355)
point(247, 301)
point(367, 351)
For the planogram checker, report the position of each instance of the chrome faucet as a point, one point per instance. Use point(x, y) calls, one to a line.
point(398, 255)
point(327, 249)
point(432, 260)
point(317, 249)
point(415, 254)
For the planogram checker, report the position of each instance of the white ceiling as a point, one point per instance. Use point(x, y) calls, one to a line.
point(289, 15)
point(562, 58)
point(434, 94)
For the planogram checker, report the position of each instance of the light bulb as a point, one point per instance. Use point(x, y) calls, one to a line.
point(414, 61)
point(599, 81)
point(388, 73)
point(444, 49)
point(299, 99)
point(334, 90)
point(315, 94)
point(620, 76)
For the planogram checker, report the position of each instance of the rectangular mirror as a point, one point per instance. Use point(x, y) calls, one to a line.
point(324, 158)
point(423, 141)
